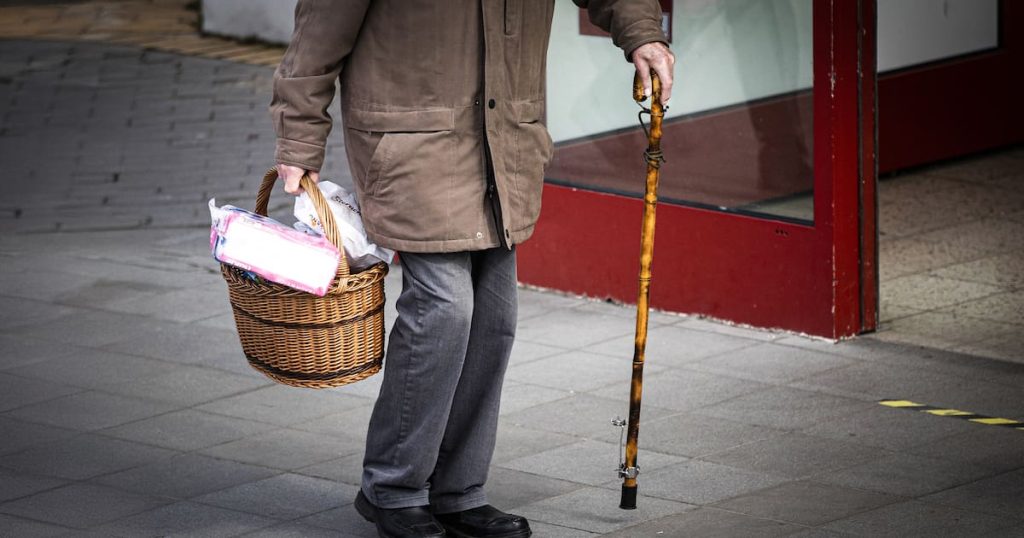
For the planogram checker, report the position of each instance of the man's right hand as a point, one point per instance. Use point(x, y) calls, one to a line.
point(291, 176)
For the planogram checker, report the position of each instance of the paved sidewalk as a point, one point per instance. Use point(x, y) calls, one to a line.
point(126, 408)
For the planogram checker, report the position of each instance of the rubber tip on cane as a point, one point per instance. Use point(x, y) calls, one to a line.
point(628, 501)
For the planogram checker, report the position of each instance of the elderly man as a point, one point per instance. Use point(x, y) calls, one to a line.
point(442, 105)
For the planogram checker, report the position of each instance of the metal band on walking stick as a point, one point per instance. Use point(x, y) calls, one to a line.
point(628, 467)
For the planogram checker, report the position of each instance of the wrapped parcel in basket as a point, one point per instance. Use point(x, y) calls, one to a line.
point(303, 339)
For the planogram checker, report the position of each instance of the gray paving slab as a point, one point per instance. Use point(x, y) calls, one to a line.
point(284, 449)
point(187, 519)
point(185, 476)
point(27, 528)
point(918, 519)
point(906, 474)
point(693, 435)
point(14, 484)
point(597, 510)
point(80, 505)
point(683, 389)
point(95, 369)
point(540, 528)
point(515, 441)
point(584, 462)
point(509, 489)
point(699, 482)
point(1001, 495)
point(347, 469)
point(1000, 449)
point(90, 410)
point(769, 362)
point(283, 405)
point(519, 396)
point(344, 520)
point(885, 427)
point(709, 523)
point(82, 456)
point(298, 530)
point(572, 328)
point(807, 502)
point(673, 345)
point(20, 351)
point(187, 430)
point(796, 455)
point(184, 385)
point(785, 408)
point(98, 328)
point(285, 496)
point(582, 415)
point(562, 371)
point(19, 435)
point(17, 391)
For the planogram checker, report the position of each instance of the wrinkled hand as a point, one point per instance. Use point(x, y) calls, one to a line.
point(291, 176)
point(658, 57)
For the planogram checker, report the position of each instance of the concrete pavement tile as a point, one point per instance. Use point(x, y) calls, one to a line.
point(699, 482)
point(187, 519)
point(282, 405)
point(1000, 449)
point(298, 530)
point(90, 410)
point(516, 441)
point(628, 311)
point(14, 485)
point(771, 363)
point(584, 462)
point(285, 496)
point(1008, 532)
point(709, 523)
point(344, 520)
point(947, 328)
point(17, 312)
point(348, 469)
point(876, 381)
point(95, 369)
point(26, 528)
point(818, 533)
point(184, 476)
point(508, 489)
point(285, 449)
point(518, 396)
point(1004, 270)
point(1003, 307)
point(925, 292)
point(80, 505)
point(673, 345)
point(20, 351)
point(189, 385)
point(548, 530)
point(881, 427)
point(784, 408)
point(1001, 495)
point(795, 455)
point(1007, 346)
point(581, 415)
point(103, 292)
point(82, 457)
point(806, 502)
point(724, 327)
point(95, 329)
point(17, 391)
point(187, 430)
point(19, 435)
point(682, 389)
point(572, 328)
point(181, 306)
point(534, 302)
point(190, 344)
point(695, 435)
point(42, 284)
point(368, 389)
point(597, 510)
point(563, 371)
point(351, 424)
point(523, 352)
point(916, 519)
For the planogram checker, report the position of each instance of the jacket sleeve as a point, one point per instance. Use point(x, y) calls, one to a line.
point(304, 82)
point(631, 22)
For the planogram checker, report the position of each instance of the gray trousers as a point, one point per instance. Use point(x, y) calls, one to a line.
point(432, 431)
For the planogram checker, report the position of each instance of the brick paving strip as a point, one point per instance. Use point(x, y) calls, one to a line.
point(164, 25)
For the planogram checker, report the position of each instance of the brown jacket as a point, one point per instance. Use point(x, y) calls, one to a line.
point(427, 86)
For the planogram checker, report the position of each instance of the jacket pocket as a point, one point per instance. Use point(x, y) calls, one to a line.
point(513, 16)
point(533, 152)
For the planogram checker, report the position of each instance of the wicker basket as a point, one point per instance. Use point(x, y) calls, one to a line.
point(302, 340)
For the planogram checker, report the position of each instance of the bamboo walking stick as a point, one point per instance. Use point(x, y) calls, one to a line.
point(628, 468)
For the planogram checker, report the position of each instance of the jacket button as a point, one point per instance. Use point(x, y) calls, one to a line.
point(476, 102)
point(491, 103)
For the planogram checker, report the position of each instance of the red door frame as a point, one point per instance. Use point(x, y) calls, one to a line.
point(756, 271)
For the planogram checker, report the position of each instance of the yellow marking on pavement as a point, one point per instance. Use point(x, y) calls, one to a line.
point(948, 412)
point(955, 413)
point(995, 421)
point(900, 403)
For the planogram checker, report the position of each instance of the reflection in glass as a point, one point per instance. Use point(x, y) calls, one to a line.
point(738, 134)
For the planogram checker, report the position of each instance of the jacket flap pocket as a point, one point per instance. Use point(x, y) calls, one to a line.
point(528, 111)
point(391, 121)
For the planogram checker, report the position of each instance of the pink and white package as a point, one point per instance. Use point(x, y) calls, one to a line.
point(272, 250)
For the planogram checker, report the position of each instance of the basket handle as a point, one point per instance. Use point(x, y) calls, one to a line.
point(323, 211)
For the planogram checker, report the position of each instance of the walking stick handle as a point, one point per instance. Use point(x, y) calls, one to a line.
point(638, 88)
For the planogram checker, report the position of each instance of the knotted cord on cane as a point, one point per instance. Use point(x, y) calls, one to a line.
point(652, 157)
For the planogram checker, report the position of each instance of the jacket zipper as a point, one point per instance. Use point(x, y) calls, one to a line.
point(492, 194)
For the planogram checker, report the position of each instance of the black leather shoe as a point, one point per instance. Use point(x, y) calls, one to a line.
point(414, 522)
point(484, 522)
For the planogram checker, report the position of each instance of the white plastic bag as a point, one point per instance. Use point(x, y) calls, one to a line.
point(361, 253)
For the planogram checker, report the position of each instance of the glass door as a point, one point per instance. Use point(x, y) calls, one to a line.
point(766, 212)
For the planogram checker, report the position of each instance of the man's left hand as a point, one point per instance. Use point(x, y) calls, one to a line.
point(658, 57)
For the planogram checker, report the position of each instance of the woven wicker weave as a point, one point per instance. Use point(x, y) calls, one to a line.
point(302, 340)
